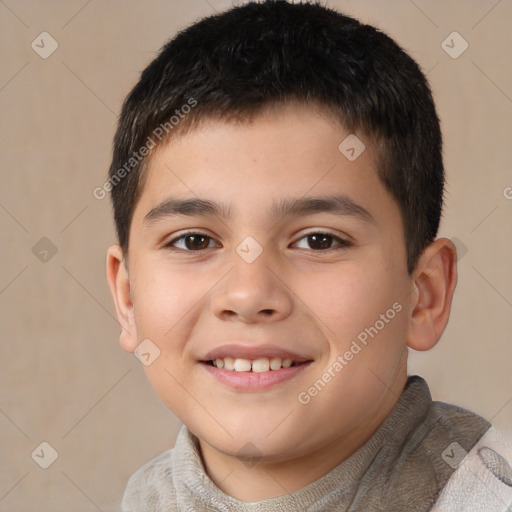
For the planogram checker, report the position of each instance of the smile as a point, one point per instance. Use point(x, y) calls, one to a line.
point(253, 375)
point(260, 365)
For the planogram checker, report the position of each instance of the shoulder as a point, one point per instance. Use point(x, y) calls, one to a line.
point(483, 476)
point(150, 488)
point(446, 423)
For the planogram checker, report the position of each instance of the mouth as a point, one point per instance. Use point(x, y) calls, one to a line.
point(246, 375)
point(259, 365)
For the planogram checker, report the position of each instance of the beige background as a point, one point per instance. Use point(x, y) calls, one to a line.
point(63, 377)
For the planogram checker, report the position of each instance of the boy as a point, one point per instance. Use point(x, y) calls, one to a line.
point(277, 182)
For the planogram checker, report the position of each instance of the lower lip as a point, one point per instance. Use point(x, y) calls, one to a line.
point(254, 382)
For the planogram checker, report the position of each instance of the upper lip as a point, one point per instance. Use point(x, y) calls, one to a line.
point(252, 352)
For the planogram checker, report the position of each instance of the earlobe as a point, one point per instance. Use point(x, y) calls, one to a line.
point(119, 284)
point(435, 279)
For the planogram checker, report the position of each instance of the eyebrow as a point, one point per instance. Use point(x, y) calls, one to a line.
point(338, 204)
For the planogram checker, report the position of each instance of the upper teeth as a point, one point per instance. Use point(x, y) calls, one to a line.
point(262, 364)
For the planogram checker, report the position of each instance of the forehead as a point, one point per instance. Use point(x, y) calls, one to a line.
point(291, 152)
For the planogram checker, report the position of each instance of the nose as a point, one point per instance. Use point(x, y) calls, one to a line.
point(252, 293)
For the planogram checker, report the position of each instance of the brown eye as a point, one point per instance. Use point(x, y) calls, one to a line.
point(320, 241)
point(196, 242)
point(323, 242)
point(191, 242)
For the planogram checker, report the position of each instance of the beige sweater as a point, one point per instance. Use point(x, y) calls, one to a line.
point(402, 467)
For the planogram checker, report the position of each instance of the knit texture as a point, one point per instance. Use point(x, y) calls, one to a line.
point(400, 468)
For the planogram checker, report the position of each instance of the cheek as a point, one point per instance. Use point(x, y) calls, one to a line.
point(348, 299)
point(165, 300)
point(166, 307)
point(361, 316)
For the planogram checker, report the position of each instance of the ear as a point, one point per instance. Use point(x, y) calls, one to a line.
point(119, 283)
point(435, 279)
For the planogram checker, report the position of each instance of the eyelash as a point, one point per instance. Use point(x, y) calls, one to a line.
point(343, 244)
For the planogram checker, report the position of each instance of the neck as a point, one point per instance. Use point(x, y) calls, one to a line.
point(264, 480)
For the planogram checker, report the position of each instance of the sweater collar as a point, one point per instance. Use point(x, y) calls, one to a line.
point(193, 485)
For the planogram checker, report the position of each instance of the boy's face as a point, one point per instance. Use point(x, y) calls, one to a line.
point(256, 278)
